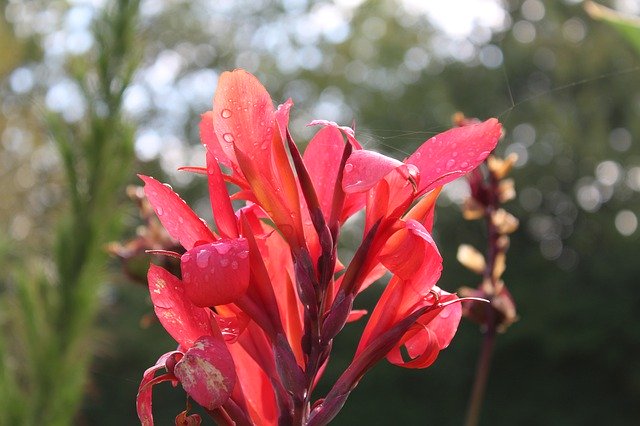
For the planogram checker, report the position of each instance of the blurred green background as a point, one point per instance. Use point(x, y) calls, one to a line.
point(565, 86)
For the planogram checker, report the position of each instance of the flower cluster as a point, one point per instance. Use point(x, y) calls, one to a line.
point(490, 189)
point(260, 300)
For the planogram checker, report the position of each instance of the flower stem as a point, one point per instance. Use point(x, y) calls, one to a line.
point(482, 374)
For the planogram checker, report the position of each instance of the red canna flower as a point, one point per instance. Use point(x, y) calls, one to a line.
point(260, 300)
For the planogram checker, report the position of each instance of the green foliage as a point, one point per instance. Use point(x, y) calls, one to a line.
point(628, 26)
point(50, 314)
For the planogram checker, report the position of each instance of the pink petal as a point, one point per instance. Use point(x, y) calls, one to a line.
point(184, 321)
point(216, 273)
point(174, 214)
point(207, 372)
point(366, 168)
point(454, 153)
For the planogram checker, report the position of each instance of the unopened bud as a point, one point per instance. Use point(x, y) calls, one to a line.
point(471, 258)
point(499, 265)
point(506, 190)
point(472, 209)
point(501, 167)
point(504, 221)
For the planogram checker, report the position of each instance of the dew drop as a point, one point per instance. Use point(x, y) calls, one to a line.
point(348, 167)
point(445, 313)
point(464, 165)
point(180, 219)
point(228, 137)
point(186, 257)
point(450, 163)
point(483, 155)
point(202, 258)
point(160, 211)
point(224, 262)
point(226, 113)
point(223, 248)
point(265, 145)
point(234, 265)
point(243, 254)
point(454, 154)
point(168, 186)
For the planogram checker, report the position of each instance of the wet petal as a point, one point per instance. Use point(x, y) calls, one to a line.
point(243, 114)
point(216, 273)
point(207, 372)
point(184, 321)
point(174, 214)
point(366, 168)
point(454, 153)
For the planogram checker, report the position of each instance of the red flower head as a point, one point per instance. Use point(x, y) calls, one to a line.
point(260, 301)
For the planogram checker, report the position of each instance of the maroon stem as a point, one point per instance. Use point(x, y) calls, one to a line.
point(489, 327)
point(482, 374)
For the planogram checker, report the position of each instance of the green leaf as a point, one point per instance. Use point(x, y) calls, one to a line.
point(627, 25)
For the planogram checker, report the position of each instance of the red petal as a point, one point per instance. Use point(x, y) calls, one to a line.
point(176, 217)
point(366, 168)
point(221, 205)
point(243, 115)
point(144, 398)
point(451, 154)
point(409, 250)
point(216, 273)
point(320, 159)
point(207, 372)
point(184, 321)
point(356, 314)
point(210, 141)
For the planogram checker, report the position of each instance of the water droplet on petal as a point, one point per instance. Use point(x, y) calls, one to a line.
point(450, 163)
point(444, 313)
point(464, 164)
point(180, 219)
point(348, 167)
point(160, 211)
point(234, 265)
point(224, 262)
point(226, 113)
point(202, 258)
point(223, 248)
point(228, 137)
point(243, 254)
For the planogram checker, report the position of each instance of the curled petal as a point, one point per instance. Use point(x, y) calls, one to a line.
point(144, 398)
point(176, 217)
point(366, 168)
point(207, 372)
point(411, 250)
point(432, 332)
point(216, 273)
